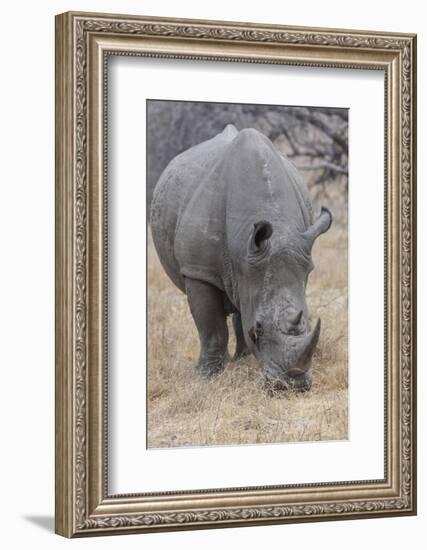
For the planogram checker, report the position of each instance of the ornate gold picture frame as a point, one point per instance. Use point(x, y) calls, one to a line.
point(84, 506)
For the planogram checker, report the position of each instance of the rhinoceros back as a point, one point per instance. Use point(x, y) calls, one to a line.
point(177, 186)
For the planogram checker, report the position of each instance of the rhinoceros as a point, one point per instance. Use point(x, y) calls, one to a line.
point(233, 227)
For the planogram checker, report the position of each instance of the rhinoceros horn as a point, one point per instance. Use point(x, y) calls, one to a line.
point(305, 351)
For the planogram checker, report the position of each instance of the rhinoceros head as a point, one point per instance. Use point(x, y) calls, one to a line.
point(272, 301)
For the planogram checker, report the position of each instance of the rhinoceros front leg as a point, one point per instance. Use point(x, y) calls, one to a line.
point(207, 308)
point(242, 349)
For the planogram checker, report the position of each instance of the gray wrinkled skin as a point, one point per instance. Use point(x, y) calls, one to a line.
point(233, 227)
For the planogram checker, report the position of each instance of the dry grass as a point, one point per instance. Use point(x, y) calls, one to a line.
point(184, 410)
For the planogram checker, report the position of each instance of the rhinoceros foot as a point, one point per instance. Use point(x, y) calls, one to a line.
point(240, 354)
point(211, 366)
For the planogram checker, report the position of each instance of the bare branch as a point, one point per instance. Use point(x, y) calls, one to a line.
point(317, 123)
point(325, 164)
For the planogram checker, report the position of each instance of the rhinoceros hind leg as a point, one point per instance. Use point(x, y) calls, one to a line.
point(242, 349)
point(207, 308)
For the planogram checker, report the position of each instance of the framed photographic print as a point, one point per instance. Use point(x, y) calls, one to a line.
point(235, 274)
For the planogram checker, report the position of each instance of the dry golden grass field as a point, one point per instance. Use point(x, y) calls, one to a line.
point(185, 410)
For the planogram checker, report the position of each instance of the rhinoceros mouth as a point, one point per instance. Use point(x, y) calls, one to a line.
point(299, 383)
point(295, 372)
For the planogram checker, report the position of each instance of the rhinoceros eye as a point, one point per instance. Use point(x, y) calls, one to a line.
point(256, 332)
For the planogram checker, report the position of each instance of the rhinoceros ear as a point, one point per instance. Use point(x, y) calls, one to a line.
point(321, 225)
point(262, 232)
